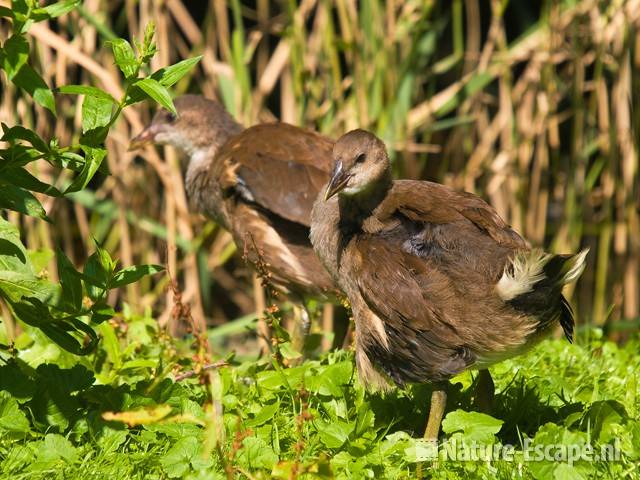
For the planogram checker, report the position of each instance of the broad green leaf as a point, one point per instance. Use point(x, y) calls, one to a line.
point(157, 92)
point(266, 414)
point(182, 456)
point(12, 419)
point(125, 57)
point(19, 177)
point(21, 200)
point(95, 277)
point(96, 112)
point(70, 281)
point(14, 54)
point(475, 426)
point(133, 274)
point(55, 447)
point(256, 453)
point(6, 12)
point(93, 158)
point(87, 90)
point(15, 285)
point(171, 75)
point(31, 81)
point(334, 434)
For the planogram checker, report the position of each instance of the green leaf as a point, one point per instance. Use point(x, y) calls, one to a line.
point(15, 285)
point(12, 419)
point(56, 447)
point(19, 177)
point(148, 49)
point(157, 92)
point(93, 158)
point(21, 133)
point(96, 113)
point(54, 10)
point(86, 90)
point(70, 281)
point(266, 414)
point(31, 81)
point(256, 453)
point(171, 75)
point(14, 54)
point(474, 425)
point(133, 274)
point(20, 200)
point(334, 434)
point(182, 455)
point(125, 57)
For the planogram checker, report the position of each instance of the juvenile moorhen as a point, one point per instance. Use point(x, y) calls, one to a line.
point(258, 183)
point(437, 281)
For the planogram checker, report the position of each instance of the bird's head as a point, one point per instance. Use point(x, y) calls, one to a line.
point(360, 162)
point(199, 123)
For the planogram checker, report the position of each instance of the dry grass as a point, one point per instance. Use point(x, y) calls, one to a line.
point(541, 118)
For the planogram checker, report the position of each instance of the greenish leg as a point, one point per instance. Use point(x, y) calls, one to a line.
point(436, 412)
point(485, 391)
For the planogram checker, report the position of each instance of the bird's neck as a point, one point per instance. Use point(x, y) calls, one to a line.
point(356, 207)
point(201, 188)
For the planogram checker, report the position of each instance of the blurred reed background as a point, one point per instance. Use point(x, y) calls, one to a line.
point(532, 105)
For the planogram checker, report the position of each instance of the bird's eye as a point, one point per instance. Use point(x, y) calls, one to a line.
point(171, 116)
point(360, 158)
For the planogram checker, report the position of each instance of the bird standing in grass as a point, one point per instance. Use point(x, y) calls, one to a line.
point(437, 282)
point(258, 183)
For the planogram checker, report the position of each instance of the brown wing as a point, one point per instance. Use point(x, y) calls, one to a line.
point(434, 203)
point(278, 166)
point(406, 292)
point(427, 265)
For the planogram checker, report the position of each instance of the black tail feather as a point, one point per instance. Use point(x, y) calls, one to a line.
point(567, 321)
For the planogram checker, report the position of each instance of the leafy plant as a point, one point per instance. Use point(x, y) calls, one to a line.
point(61, 310)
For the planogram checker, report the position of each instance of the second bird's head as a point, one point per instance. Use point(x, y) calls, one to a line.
point(199, 123)
point(360, 162)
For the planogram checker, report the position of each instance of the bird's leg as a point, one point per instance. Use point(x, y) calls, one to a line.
point(301, 326)
point(485, 390)
point(436, 412)
point(327, 327)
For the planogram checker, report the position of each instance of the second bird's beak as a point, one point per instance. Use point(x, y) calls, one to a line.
point(339, 179)
point(144, 138)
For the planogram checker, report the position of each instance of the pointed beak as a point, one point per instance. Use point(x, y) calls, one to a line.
point(143, 138)
point(339, 179)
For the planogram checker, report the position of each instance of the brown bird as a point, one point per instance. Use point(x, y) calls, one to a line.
point(258, 183)
point(437, 281)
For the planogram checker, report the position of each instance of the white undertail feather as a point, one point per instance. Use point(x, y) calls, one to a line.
point(523, 273)
point(575, 267)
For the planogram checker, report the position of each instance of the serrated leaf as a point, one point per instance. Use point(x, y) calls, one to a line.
point(20, 200)
point(154, 90)
point(14, 54)
point(133, 274)
point(172, 74)
point(31, 81)
point(256, 453)
point(12, 419)
point(475, 426)
point(125, 57)
point(93, 158)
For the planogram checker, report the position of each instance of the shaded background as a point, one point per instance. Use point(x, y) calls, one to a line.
point(532, 105)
